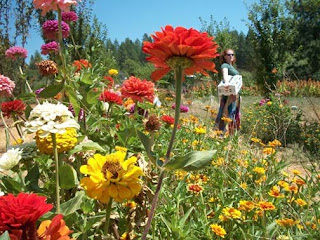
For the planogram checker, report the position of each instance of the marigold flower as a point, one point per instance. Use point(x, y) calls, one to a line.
point(130, 204)
point(138, 89)
point(69, 16)
point(183, 47)
point(20, 213)
point(283, 184)
point(291, 188)
point(256, 140)
point(180, 174)
point(54, 229)
point(275, 192)
point(50, 29)
point(300, 202)
point(194, 188)
point(50, 118)
point(226, 120)
point(16, 52)
point(51, 47)
point(268, 150)
point(47, 67)
point(10, 159)
point(6, 86)
point(218, 230)
point(266, 206)
point(274, 143)
point(200, 130)
point(286, 222)
point(110, 97)
point(296, 172)
point(218, 162)
point(231, 213)
point(13, 107)
point(65, 141)
point(246, 205)
point(259, 170)
point(111, 176)
point(299, 181)
point(82, 63)
point(113, 72)
point(243, 185)
point(52, 5)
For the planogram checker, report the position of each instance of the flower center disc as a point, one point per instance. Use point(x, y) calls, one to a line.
point(113, 167)
point(177, 61)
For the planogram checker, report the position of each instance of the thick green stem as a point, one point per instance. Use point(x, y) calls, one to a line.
point(108, 212)
point(178, 75)
point(56, 160)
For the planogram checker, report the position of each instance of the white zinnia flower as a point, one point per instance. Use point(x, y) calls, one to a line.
point(10, 159)
point(1, 193)
point(50, 118)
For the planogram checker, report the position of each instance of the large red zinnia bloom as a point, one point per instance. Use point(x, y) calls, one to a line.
point(167, 119)
point(110, 97)
point(16, 107)
point(138, 89)
point(192, 49)
point(18, 214)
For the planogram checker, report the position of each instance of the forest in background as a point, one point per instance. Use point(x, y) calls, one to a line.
point(283, 42)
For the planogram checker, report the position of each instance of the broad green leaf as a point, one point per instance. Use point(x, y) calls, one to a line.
point(92, 97)
point(87, 146)
point(27, 96)
point(86, 78)
point(5, 236)
point(50, 91)
point(68, 177)
point(192, 161)
point(146, 142)
point(32, 179)
point(12, 185)
point(73, 99)
point(73, 204)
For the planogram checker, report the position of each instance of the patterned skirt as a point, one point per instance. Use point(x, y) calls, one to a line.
point(229, 108)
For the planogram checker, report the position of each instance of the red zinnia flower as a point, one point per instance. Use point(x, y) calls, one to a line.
point(110, 97)
point(16, 106)
point(167, 119)
point(82, 63)
point(110, 81)
point(138, 89)
point(54, 230)
point(20, 213)
point(181, 47)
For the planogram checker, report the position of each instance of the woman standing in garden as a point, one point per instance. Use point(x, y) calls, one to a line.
point(229, 109)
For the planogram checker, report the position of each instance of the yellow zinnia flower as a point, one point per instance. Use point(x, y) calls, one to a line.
point(200, 130)
point(286, 222)
point(218, 230)
point(65, 141)
point(111, 176)
point(113, 72)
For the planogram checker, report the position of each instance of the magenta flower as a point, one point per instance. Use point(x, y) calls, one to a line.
point(51, 47)
point(6, 86)
point(183, 108)
point(16, 52)
point(50, 29)
point(69, 16)
point(48, 5)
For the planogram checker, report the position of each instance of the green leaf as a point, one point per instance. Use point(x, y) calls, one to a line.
point(192, 161)
point(68, 177)
point(92, 97)
point(87, 146)
point(86, 78)
point(27, 111)
point(73, 99)
point(32, 179)
point(5, 236)
point(73, 204)
point(185, 217)
point(12, 185)
point(50, 91)
point(27, 96)
point(146, 142)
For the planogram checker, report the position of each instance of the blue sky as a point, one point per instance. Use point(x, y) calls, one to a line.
point(133, 18)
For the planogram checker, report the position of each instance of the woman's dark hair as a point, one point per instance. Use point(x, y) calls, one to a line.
point(224, 53)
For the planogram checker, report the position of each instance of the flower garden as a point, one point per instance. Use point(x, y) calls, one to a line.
point(107, 161)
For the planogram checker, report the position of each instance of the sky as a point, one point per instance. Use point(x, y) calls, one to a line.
point(132, 18)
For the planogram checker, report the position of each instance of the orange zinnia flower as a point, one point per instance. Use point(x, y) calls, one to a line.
point(187, 48)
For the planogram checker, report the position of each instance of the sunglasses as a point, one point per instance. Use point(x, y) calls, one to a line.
point(230, 54)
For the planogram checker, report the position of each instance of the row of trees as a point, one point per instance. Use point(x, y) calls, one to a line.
point(283, 39)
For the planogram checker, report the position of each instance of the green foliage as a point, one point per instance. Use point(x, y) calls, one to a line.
point(271, 119)
point(310, 138)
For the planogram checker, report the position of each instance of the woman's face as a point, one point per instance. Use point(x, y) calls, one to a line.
point(229, 56)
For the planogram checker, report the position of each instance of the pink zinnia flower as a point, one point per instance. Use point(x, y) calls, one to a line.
point(69, 16)
point(6, 86)
point(50, 29)
point(51, 47)
point(183, 108)
point(48, 5)
point(16, 52)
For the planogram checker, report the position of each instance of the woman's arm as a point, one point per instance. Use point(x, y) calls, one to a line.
point(225, 75)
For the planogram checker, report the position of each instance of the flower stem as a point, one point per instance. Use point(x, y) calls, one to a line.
point(178, 76)
point(108, 212)
point(7, 130)
point(56, 160)
point(61, 45)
